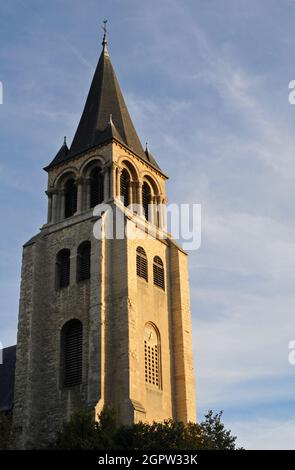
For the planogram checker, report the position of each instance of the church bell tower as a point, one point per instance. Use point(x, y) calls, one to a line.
point(103, 320)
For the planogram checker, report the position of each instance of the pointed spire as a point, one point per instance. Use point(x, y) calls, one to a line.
point(105, 115)
point(149, 156)
point(105, 98)
point(61, 155)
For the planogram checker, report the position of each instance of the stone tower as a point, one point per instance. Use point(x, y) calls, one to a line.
point(103, 319)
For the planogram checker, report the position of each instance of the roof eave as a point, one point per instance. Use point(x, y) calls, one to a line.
point(112, 139)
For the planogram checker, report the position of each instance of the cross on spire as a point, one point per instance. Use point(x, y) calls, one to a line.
point(104, 41)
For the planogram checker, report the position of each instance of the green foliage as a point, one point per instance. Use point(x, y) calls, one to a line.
point(83, 432)
point(214, 434)
point(5, 429)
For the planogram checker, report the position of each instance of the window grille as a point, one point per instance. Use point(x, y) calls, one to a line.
point(158, 272)
point(70, 198)
point(146, 199)
point(72, 336)
point(96, 187)
point(125, 187)
point(141, 263)
point(84, 261)
point(63, 269)
point(152, 357)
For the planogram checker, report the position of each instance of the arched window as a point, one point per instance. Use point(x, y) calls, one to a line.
point(83, 261)
point(63, 268)
point(125, 187)
point(158, 272)
point(146, 199)
point(71, 353)
point(96, 187)
point(152, 356)
point(70, 198)
point(141, 263)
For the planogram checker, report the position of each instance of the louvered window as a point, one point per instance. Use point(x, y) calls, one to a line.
point(96, 187)
point(84, 261)
point(141, 263)
point(125, 187)
point(158, 272)
point(72, 337)
point(146, 199)
point(70, 198)
point(152, 363)
point(63, 269)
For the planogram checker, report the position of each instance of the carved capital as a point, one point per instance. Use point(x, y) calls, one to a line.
point(80, 180)
point(51, 191)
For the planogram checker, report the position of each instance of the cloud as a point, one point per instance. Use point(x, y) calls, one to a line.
point(209, 92)
point(264, 434)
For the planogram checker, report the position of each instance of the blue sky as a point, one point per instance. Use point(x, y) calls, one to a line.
point(206, 84)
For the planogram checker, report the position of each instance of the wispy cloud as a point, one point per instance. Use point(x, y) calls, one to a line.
point(210, 93)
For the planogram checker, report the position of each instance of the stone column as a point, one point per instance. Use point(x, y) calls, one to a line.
point(162, 213)
point(131, 190)
point(55, 215)
point(113, 180)
point(118, 182)
point(106, 181)
point(49, 213)
point(62, 206)
point(87, 191)
point(153, 210)
point(79, 183)
point(139, 197)
point(159, 221)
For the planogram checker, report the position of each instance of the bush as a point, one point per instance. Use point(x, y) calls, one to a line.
point(83, 432)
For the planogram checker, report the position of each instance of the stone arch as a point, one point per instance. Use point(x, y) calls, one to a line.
point(146, 176)
point(66, 174)
point(125, 163)
point(92, 184)
point(91, 163)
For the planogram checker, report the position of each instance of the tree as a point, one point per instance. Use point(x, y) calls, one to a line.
point(83, 432)
point(214, 434)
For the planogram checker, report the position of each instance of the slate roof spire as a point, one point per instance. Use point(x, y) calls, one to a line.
point(104, 99)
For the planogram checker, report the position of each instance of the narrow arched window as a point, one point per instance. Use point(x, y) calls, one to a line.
point(125, 187)
point(152, 356)
point(141, 263)
point(70, 198)
point(71, 353)
point(146, 199)
point(83, 261)
point(63, 263)
point(96, 187)
point(158, 272)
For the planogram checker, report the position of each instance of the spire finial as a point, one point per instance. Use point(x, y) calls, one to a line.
point(147, 147)
point(104, 41)
point(65, 140)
